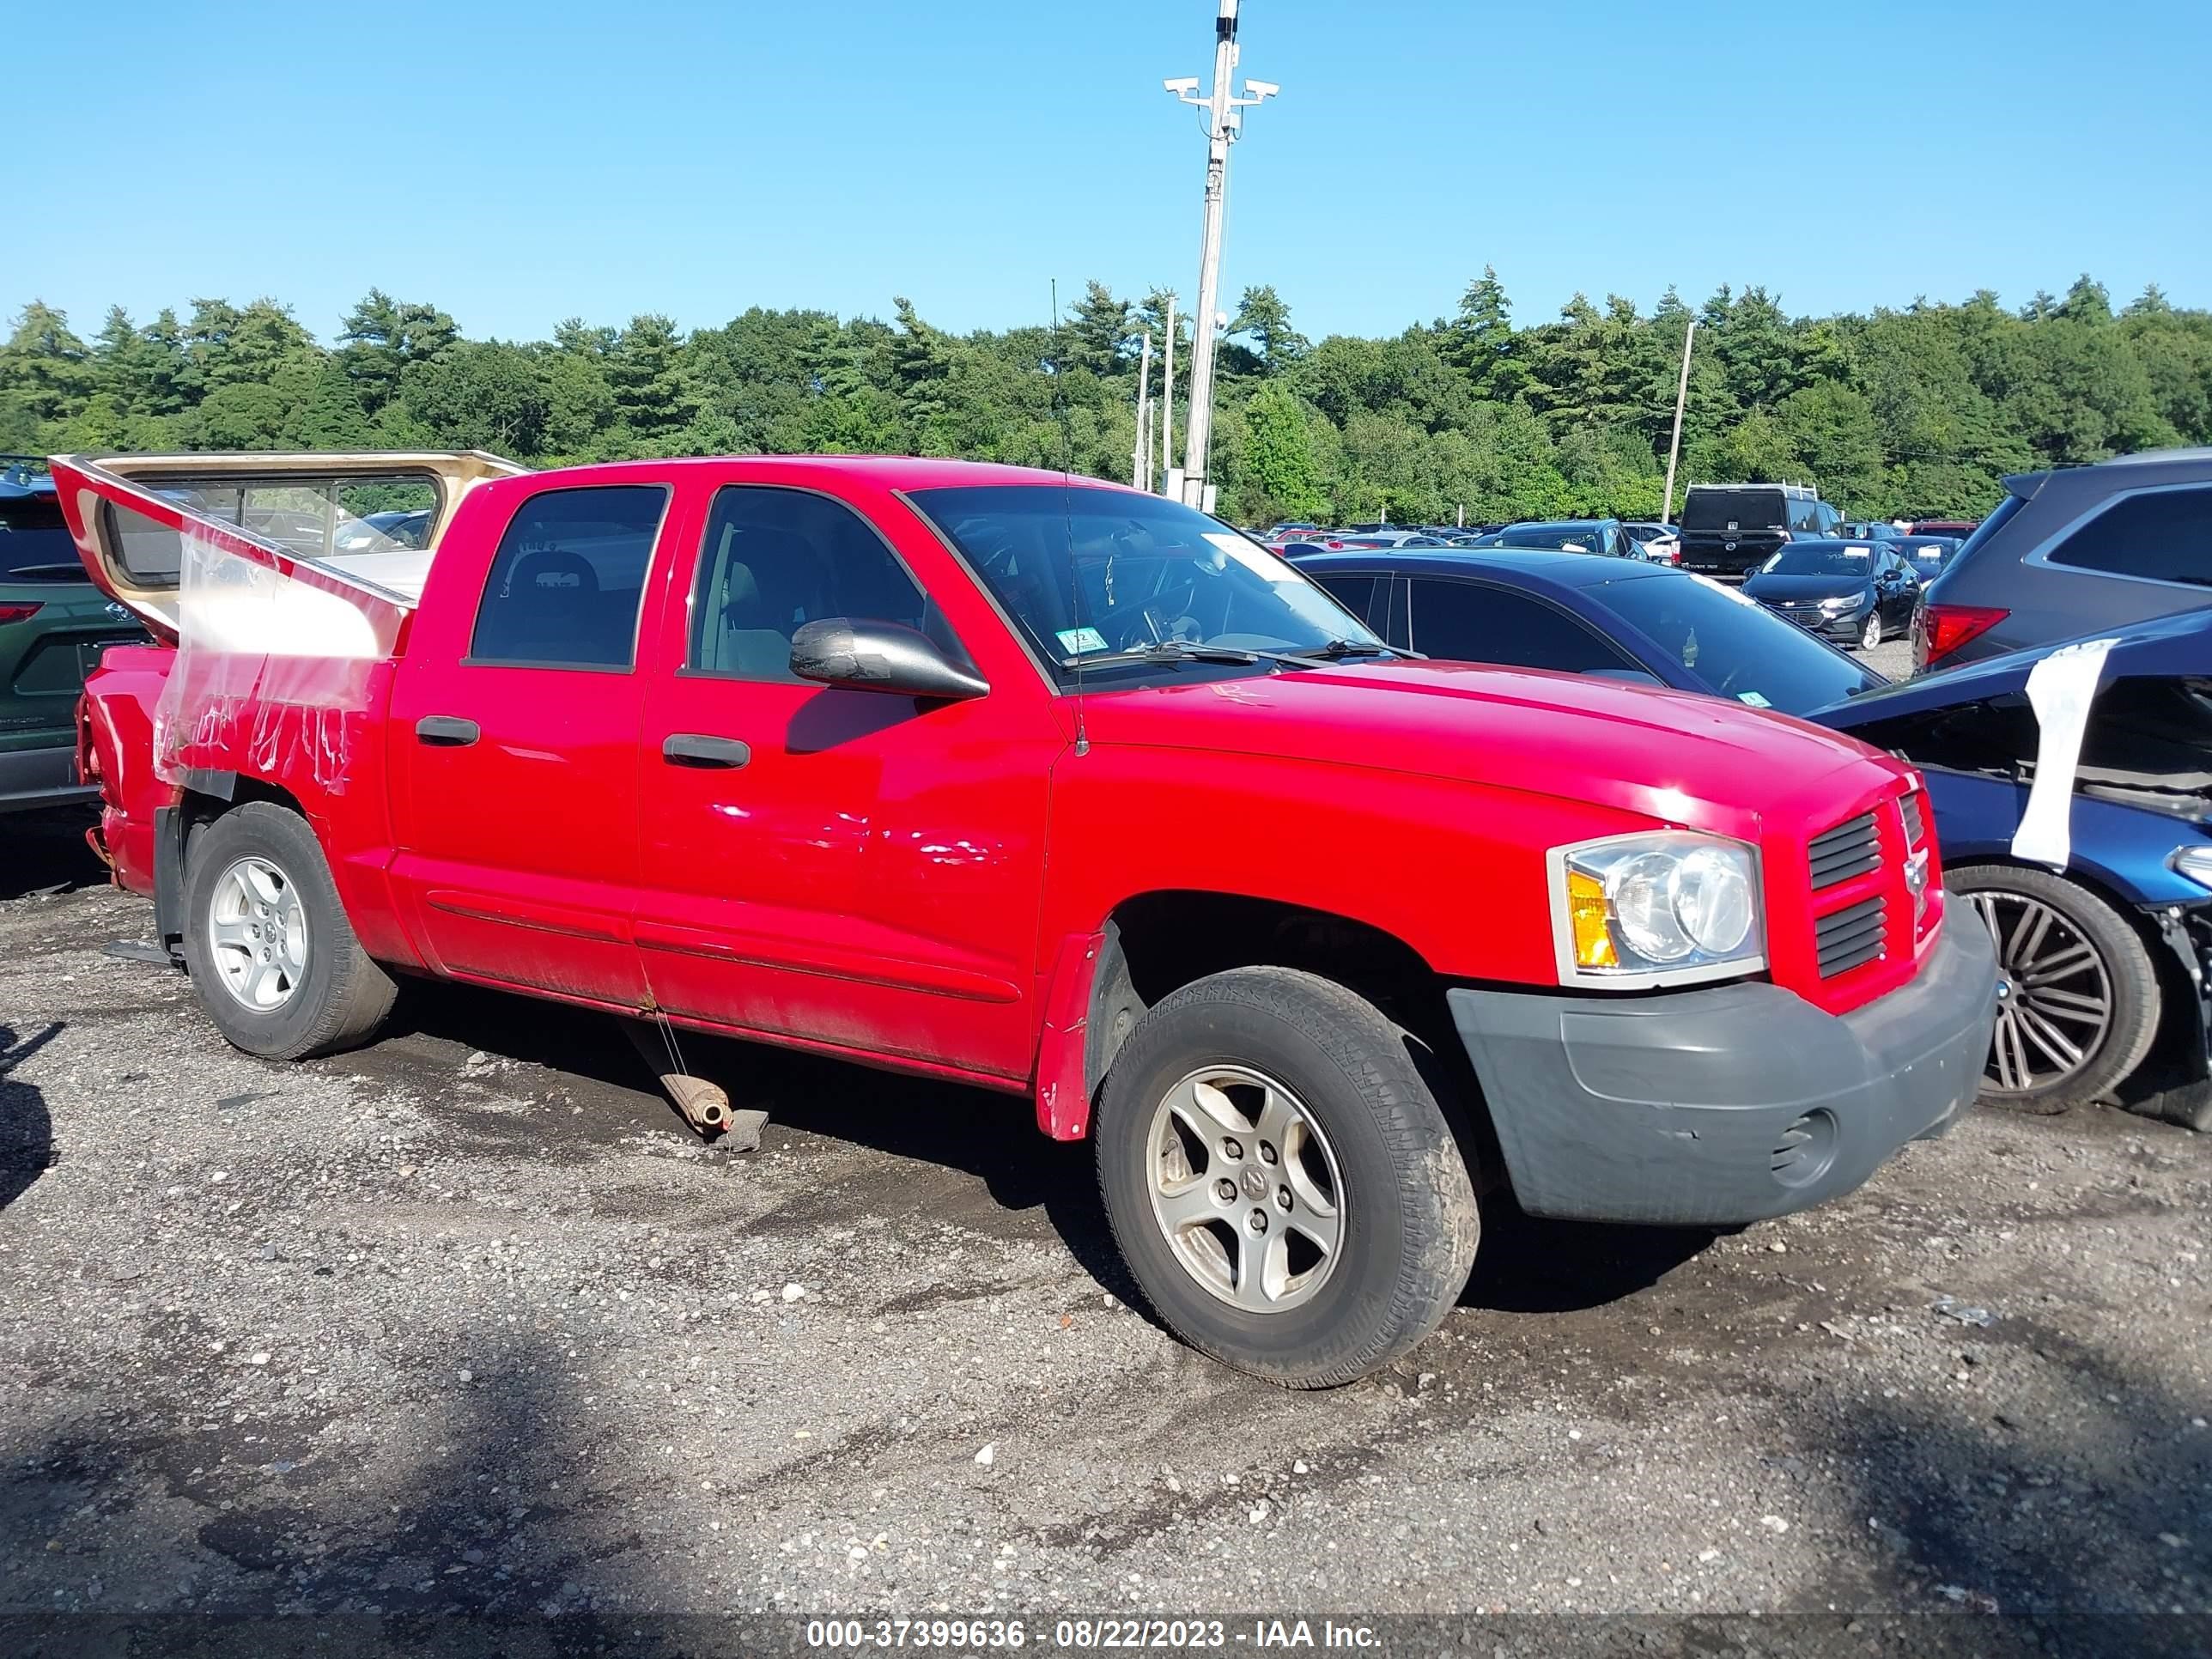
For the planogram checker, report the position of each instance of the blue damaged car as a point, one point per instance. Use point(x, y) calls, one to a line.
point(2102, 912)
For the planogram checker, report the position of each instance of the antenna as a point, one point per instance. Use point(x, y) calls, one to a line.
point(1068, 510)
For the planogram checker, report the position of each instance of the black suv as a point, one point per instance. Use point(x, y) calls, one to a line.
point(2075, 551)
point(1728, 531)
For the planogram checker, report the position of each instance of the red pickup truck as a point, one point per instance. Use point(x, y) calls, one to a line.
point(1051, 786)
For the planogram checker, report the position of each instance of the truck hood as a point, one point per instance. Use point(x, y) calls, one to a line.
point(1671, 755)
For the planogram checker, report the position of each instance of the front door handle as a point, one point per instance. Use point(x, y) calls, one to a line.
point(448, 731)
point(690, 749)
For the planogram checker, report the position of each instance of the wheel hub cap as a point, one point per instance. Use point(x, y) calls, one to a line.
point(1245, 1188)
point(256, 933)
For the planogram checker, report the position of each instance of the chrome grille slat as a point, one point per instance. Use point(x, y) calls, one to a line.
point(1849, 849)
point(1851, 936)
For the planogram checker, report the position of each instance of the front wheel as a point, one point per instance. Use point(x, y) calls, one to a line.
point(272, 957)
point(1870, 635)
point(1280, 1179)
point(2080, 1008)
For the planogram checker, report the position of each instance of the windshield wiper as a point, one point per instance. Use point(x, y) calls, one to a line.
point(1338, 650)
point(1171, 651)
point(42, 572)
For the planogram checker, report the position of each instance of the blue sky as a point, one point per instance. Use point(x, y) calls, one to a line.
point(517, 164)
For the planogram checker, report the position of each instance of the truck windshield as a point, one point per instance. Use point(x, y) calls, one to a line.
point(1137, 586)
point(1736, 646)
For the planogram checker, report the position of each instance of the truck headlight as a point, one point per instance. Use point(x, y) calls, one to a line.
point(1666, 907)
point(2195, 863)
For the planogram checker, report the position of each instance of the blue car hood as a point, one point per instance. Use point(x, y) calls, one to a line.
point(2148, 743)
point(2179, 645)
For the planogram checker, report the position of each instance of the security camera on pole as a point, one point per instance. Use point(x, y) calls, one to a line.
point(1224, 121)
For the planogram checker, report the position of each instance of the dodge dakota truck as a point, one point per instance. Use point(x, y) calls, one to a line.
point(1049, 787)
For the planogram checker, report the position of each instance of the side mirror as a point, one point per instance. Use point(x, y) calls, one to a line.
point(879, 656)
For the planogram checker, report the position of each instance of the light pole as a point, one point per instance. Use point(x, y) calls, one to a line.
point(1224, 121)
point(1675, 448)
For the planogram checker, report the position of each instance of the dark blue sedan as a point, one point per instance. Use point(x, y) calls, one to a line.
point(2106, 933)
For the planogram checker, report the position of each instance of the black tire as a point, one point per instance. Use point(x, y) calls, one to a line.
point(2119, 972)
point(1408, 1222)
point(340, 996)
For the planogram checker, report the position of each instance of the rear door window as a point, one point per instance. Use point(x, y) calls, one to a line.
point(568, 576)
point(1476, 622)
point(2163, 535)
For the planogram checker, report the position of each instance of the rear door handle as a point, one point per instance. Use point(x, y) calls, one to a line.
point(690, 749)
point(448, 731)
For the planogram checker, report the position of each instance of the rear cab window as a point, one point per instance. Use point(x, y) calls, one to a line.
point(339, 519)
point(568, 579)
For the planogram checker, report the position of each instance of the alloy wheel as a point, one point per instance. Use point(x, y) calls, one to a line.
point(1245, 1188)
point(1870, 636)
point(257, 931)
point(2058, 1011)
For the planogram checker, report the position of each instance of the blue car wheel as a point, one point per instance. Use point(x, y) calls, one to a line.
point(2081, 1004)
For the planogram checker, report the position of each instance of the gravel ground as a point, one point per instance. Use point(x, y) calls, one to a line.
point(468, 1321)
point(1893, 659)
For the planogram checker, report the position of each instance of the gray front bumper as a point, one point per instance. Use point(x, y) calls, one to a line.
point(40, 777)
point(1727, 1105)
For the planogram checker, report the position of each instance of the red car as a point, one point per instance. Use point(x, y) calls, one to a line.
point(1059, 789)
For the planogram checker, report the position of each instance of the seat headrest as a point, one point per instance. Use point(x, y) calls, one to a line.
point(554, 568)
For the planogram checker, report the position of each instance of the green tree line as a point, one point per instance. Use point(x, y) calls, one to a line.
point(1911, 413)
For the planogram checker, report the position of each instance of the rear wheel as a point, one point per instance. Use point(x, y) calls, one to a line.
point(2082, 1008)
point(272, 957)
point(1280, 1179)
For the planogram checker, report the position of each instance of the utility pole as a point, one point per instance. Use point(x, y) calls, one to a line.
point(1675, 448)
point(1224, 121)
point(1171, 483)
point(1142, 469)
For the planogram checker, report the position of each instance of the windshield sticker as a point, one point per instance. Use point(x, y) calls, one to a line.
point(1754, 699)
point(2060, 689)
point(1077, 640)
point(1858, 552)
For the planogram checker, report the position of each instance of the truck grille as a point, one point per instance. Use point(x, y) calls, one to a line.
point(1849, 849)
point(1851, 936)
point(1915, 826)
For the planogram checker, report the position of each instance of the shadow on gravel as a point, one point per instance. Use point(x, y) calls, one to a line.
point(2101, 1507)
point(45, 852)
point(27, 1129)
point(990, 1139)
point(454, 1539)
point(1528, 1265)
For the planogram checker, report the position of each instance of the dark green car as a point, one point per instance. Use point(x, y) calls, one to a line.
point(54, 624)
